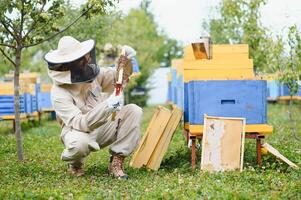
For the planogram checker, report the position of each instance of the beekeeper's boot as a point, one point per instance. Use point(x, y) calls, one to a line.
point(76, 170)
point(116, 166)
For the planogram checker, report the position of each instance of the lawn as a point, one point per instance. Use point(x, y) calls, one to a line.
point(44, 176)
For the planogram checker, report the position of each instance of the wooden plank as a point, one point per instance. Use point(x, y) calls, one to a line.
point(143, 140)
point(235, 74)
point(151, 137)
point(162, 146)
point(222, 144)
point(263, 129)
point(276, 153)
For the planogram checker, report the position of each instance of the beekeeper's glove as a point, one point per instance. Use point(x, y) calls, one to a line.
point(114, 102)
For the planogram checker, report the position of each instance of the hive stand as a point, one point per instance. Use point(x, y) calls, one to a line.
point(257, 132)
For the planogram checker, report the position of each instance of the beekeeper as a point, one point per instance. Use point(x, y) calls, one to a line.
point(83, 99)
point(108, 56)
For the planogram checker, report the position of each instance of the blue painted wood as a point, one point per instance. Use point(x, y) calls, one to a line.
point(38, 90)
point(174, 86)
point(44, 101)
point(186, 103)
point(284, 91)
point(273, 90)
point(28, 101)
point(237, 98)
point(7, 104)
point(34, 103)
point(180, 92)
point(169, 92)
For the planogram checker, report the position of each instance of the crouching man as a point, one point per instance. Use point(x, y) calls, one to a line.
point(84, 100)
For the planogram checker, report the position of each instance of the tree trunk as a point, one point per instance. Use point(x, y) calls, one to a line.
point(18, 134)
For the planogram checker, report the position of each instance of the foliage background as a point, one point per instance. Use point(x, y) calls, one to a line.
point(137, 29)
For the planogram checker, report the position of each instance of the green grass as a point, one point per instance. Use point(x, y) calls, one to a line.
point(44, 176)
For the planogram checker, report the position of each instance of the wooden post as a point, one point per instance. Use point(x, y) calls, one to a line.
point(258, 150)
point(193, 153)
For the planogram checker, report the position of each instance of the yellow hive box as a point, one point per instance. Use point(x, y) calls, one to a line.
point(30, 77)
point(217, 74)
point(30, 88)
point(175, 62)
point(46, 87)
point(178, 65)
point(169, 77)
point(218, 64)
point(8, 88)
point(229, 62)
point(222, 52)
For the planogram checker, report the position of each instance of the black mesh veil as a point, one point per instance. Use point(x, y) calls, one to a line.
point(81, 70)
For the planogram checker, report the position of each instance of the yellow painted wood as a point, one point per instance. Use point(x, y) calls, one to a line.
point(169, 78)
point(218, 64)
point(225, 51)
point(176, 62)
point(230, 56)
point(46, 110)
point(7, 88)
point(230, 48)
point(287, 98)
point(180, 70)
point(151, 137)
point(162, 145)
point(28, 77)
point(30, 88)
point(12, 117)
point(46, 87)
point(217, 74)
point(264, 129)
point(34, 114)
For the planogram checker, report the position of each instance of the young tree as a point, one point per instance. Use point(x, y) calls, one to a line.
point(27, 23)
point(239, 22)
point(290, 70)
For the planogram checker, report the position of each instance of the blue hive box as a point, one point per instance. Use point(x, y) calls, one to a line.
point(169, 92)
point(180, 92)
point(174, 86)
point(44, 101)
point(7, 105)
point(237, 98)
point(284, 91)
point(273, 89)
point(186, 102)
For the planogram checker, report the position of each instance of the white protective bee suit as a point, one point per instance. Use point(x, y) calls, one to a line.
point(84, 109)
